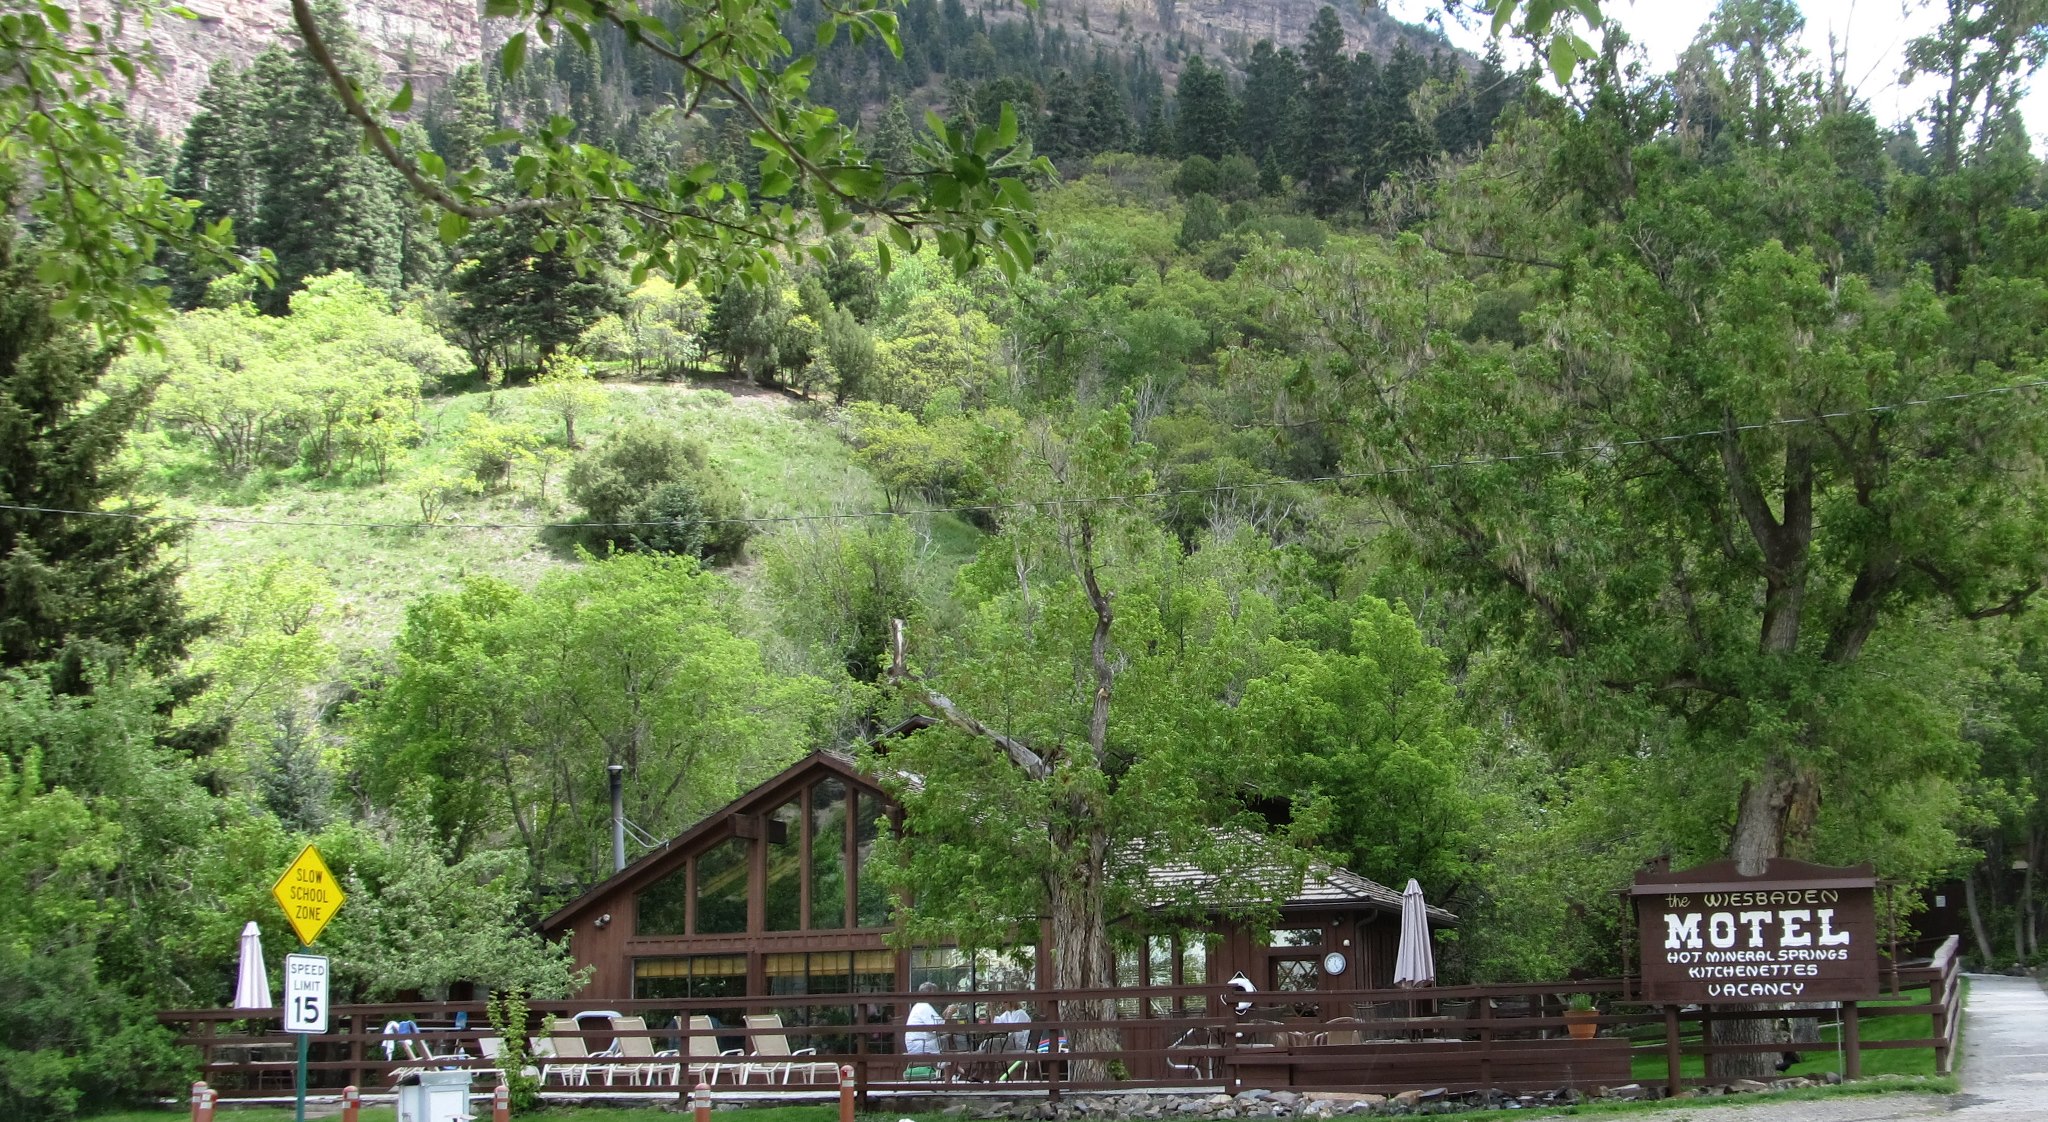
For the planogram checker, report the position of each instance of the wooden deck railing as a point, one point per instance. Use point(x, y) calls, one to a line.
point(1512, 1037)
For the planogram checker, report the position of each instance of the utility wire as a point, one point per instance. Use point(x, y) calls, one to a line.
point(1083, 500)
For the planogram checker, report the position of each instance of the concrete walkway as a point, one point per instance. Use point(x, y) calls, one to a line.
point(2005, 1050)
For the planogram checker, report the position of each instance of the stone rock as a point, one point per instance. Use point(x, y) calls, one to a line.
point(1746, 1086)
point(1344, 1097)
point(1408, 1098)
point(1288, 1097)
point(1833, 1078)
point(1434, 1094)
point(1629, 1093)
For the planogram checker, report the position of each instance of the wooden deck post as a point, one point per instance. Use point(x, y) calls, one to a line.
point(1675, 1078)
point(1852, 1042)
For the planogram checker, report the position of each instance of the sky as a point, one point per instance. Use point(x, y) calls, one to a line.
point(1875, 33)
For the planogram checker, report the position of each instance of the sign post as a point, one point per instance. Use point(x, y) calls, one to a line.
point(310, 896)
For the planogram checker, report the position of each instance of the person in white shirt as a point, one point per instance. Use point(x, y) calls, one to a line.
point(1014, 1014)
point(923, 1013)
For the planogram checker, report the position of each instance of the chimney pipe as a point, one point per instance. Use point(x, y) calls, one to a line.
point(618, 816)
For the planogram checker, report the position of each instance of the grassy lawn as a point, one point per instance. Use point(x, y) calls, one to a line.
point(1816, 1060)
point(782, 462)
point(549, 1114)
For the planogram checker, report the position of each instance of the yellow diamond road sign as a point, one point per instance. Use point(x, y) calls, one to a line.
point(309, 894)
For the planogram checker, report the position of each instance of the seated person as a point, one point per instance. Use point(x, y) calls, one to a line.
point(1019, 1040)
point(923, 1013)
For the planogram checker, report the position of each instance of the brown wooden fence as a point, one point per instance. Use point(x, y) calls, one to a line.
point(1510, 1037)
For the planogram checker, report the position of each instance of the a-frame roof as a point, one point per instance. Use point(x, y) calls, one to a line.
point(763, 797)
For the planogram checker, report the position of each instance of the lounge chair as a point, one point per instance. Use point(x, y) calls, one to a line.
point(772, 1056)
point(632, 1045)
point(398, 1046)
point(493, 1049)
point(569, 1059)
point(706, 1061)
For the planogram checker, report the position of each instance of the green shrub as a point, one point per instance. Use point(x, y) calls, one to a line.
point(648, 475)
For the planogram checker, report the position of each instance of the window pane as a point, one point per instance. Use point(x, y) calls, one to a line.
point(783, 894)
point(1159, 971)
point(828, 855)
point(873, 909)
point(1194, 971)
point(1296, 974)
point(722, 888)
point(660, 909)
point(1127, 959)
point(1297, 937)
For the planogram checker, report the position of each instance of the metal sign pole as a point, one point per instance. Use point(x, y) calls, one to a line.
point(305, 1043)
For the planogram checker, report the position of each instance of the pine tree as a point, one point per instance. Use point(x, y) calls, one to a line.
point(893, 137)
point(216, 168)
point(461, 119)
point(1272, 85)
point(1106, 121)
point(75, 590)
point(1066, 115)
point(1202, 111)
point(326, 204)
point(525, 303)
point(1319, 128)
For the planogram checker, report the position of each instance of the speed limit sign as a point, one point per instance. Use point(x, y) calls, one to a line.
point(305, 993)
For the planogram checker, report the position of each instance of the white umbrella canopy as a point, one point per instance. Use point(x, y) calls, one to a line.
point(252, 983)
point(1414, 962)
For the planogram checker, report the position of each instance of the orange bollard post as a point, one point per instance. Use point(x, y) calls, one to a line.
point(351, 1103)
point(501, 1104)
point(702, 1103)
point(846, 1093)
point(203, 1098)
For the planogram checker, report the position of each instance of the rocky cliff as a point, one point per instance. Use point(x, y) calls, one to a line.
point(424, 40)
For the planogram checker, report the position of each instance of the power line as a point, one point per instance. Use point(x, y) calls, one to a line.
point(1046, 504)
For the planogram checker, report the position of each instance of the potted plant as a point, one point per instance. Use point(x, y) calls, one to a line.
point(1579, 1013)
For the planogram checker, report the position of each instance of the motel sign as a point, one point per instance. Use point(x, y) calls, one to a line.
point(1799, 933)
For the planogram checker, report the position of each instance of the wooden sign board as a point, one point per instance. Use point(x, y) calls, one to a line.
point(1799, 933)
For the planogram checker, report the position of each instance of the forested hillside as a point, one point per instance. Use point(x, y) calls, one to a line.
point(1338, 455)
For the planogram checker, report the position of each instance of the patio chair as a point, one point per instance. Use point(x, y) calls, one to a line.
point(772, 1048)
point(1260, 1034)
point(1342, 1030)
point(706, 1060)
point(1196, 1066)
point(493, 1048)
point(632, 1044)
point(569, 1059)
point(397, 1047)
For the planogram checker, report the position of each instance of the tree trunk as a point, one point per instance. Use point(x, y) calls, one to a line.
point(1989, 961)
point(1078, 943)
point(1776, 804)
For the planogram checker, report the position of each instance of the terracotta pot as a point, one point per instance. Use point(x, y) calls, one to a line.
point(1579, 1022)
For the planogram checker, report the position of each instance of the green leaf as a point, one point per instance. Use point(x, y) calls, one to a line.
point(403, 101)
point(513, 56)
point(452, 227)
point(1006, 126)
point(1564, 56)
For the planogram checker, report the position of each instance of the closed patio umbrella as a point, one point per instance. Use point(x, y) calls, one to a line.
point(252, 984)
point(1414, 961)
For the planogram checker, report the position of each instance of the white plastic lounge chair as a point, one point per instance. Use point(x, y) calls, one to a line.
point(568, 1059)
point(632, 1044)
point(773, 1058)
point(706, 1061)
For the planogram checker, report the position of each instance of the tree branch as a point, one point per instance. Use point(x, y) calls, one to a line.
point(309, 30)
point(1027, 761)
